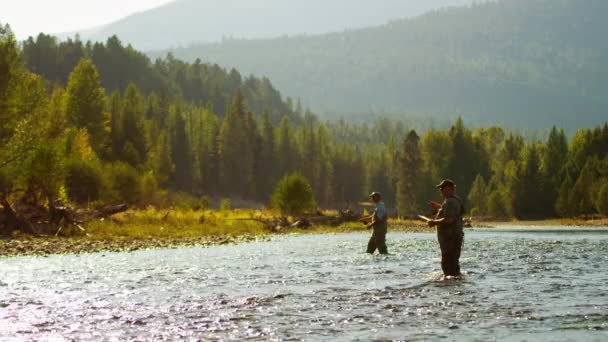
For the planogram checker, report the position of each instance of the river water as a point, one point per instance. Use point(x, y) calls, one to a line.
point(520, 284)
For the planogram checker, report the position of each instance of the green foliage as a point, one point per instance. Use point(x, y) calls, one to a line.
point(11, 71)
point(84, 181)
point(159, 143)
point(85, 101)
point(169, 78)
point(204, 202)
point(149, 189)
point(497, 205)
point(181, 152)
point(602, 199)
point(134, 148)
point(478, 196)
point(44, 170)
point(124, 183)
point(529, 196)
point(411, 189)
point(237, 150)
point(225, 204)
point(293, 195)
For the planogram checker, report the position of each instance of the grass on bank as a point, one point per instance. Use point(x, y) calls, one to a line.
point(177, 224)
point(182, 224)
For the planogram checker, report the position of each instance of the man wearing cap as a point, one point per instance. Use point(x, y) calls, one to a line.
point(378, 221)
point(450, 231)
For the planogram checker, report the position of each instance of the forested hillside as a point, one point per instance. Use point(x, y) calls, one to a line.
point(524, 63)
point(83, 144)
point(120, 65)
point(183, 22)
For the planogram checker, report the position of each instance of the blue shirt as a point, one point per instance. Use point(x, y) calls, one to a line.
point(380, 211)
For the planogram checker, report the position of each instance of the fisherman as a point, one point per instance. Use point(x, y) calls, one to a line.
point(378, 221)
point(450, 231)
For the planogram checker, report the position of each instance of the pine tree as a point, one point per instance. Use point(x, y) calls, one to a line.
point(133, 126)
point(236, 159)
point(409, 191)
point(530, 202)
point(437, 152)
point(323, 191)
point(285, 150)
point(478, 196)
point(180, 152)
point(117, 137)
point(554, 160)
point(601, 203)
point(11, 73)
point(251, 156)
point(581, 197)
point(562, 204)
point(462, 167)
point(266, 171)
point(85, 101)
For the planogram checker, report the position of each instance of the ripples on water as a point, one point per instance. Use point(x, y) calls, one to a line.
point(519, 285)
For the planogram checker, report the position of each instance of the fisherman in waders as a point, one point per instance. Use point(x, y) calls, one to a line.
point(378, 221)
point(450, 231)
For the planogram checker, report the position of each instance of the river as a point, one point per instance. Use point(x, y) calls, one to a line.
point(520, 284)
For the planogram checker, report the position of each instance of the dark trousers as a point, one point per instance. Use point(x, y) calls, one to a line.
point(377, 241)
point(451, 247)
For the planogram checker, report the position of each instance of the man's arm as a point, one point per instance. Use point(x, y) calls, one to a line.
point(441, 221)
point(366, 218)
point(372, 223)
point(449, 210)
point(434, 205)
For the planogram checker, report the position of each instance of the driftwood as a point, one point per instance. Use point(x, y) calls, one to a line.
point(276, 224)
point(343, 217)
point(35, 219)
point(108, 211)
point(11, 221)
point(301, 223)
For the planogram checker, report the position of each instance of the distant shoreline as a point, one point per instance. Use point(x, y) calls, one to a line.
point(45, 246)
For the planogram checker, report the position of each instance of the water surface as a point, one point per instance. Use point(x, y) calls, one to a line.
point(520, 284)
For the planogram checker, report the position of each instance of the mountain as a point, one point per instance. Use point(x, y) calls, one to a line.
point(525, 63)
point(184, 22)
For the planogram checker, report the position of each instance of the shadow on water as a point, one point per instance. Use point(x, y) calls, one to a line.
point(518, 285)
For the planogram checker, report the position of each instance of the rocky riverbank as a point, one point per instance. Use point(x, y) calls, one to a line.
point(51, 246)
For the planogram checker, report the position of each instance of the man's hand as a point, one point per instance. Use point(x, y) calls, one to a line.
point(432, 223)
point(434, 205)
point(366, 219)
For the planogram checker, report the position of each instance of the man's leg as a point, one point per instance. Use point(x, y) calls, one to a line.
point(381, 241)
point(445, 257)
point(451, 257)
point(371, 245)
point(457, 251)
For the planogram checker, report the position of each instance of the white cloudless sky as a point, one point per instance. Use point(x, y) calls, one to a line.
point(30, 17)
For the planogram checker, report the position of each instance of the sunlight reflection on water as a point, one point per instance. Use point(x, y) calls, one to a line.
point(519, 283)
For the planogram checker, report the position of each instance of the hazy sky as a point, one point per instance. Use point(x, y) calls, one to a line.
point(29, 17)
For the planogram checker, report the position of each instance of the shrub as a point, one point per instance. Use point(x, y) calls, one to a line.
point(149, 189)
point(602, 200)
point(84, 181)
point(293, 195)
point(125, 182)
point(497, 205)
point(225, 205)
point(204, 202)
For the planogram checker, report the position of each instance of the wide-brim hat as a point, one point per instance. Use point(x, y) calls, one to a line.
point(446, 182)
